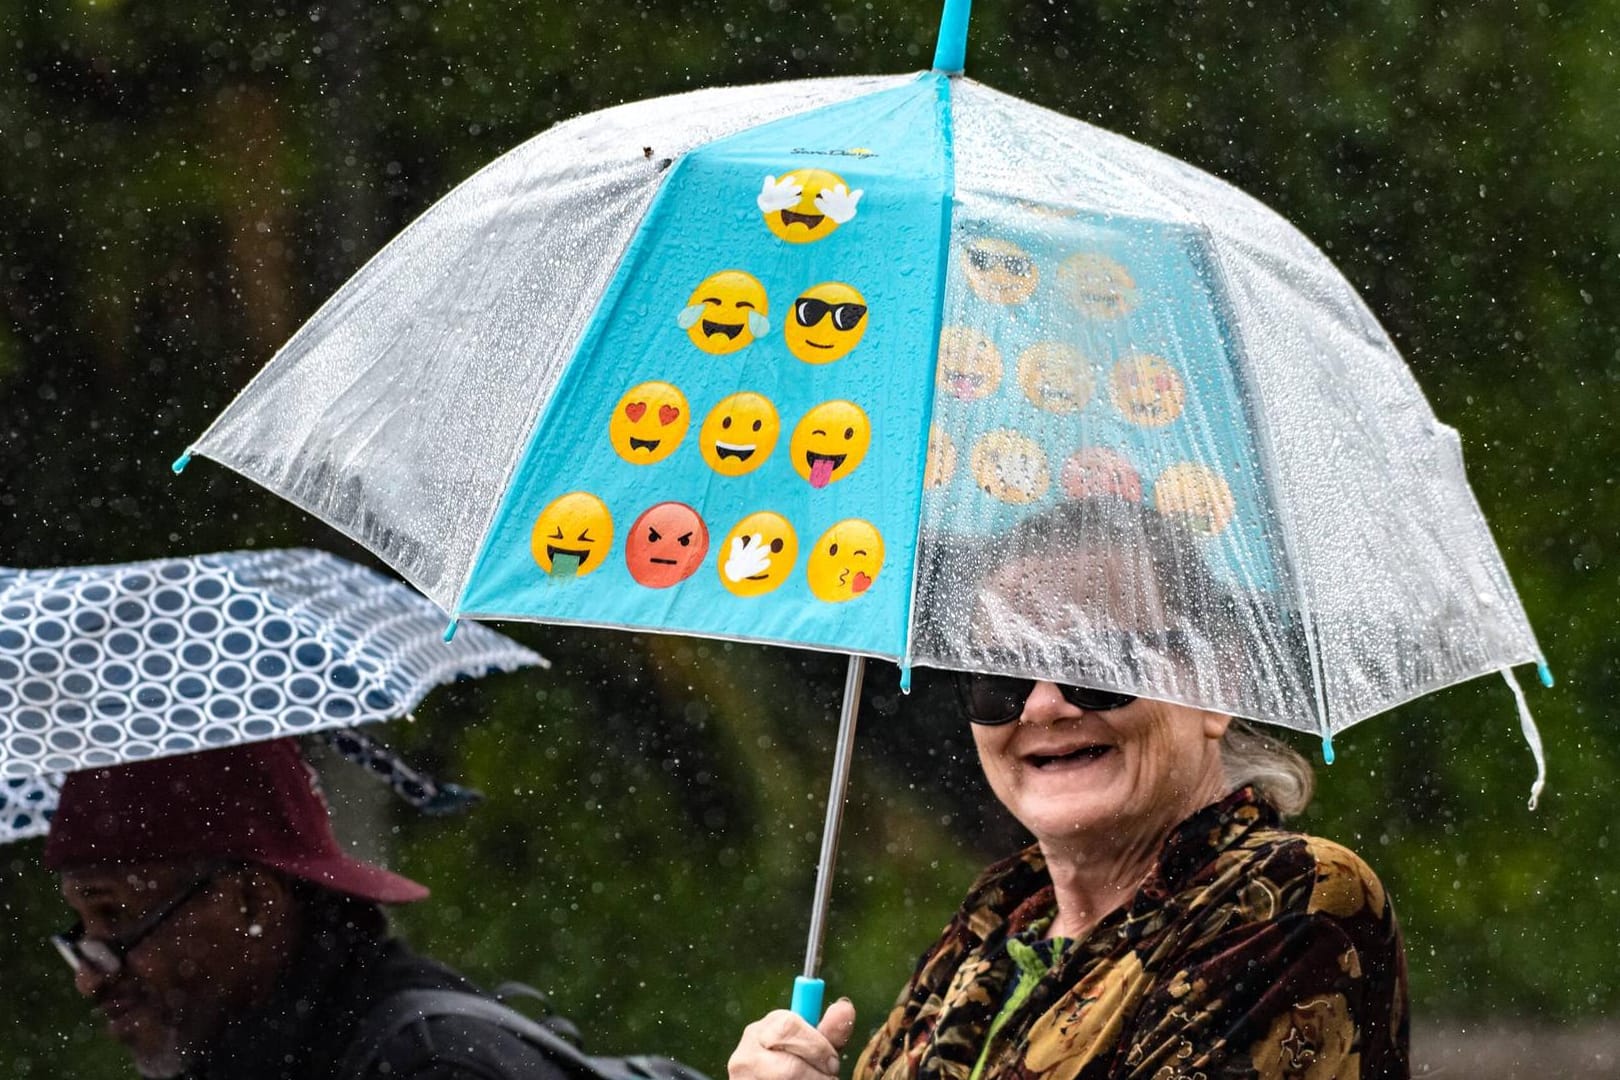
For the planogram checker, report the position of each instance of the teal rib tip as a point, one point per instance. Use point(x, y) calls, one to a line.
point(450, 631)
point(905, 678)
point(950, 54)
point(181, 462)
point(1327, 749)
point(1544, 673)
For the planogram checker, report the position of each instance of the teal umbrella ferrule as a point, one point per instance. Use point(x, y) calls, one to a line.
point(1327, 749)
point(1544, 673)
point(181, 462)
point(450, 630)
point(950, 53)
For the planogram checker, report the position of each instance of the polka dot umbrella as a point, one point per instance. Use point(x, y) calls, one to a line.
point(102, 665)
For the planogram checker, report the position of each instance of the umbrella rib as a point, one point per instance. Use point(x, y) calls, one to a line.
point(1287, 533)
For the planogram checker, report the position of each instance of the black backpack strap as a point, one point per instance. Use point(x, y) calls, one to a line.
point(399, 1011)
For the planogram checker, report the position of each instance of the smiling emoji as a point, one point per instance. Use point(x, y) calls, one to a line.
point(1146, 390)
point(665, 545)
point(969, 363)
point(649, 422)
point(757, 554)
point(830, 442)
point(572, 535)
point(1195, 495)
point(726, 313)
point(1097, 285)
point(999, 270)
point(828, 321)
point(1055, 377)
point(739, 433)
point(806, 205)
point(1010, 466)
point(845, 561)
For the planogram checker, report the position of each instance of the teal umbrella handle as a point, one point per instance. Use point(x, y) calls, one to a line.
point(807, 994)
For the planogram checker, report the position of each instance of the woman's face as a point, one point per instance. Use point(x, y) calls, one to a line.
point(1120, 778)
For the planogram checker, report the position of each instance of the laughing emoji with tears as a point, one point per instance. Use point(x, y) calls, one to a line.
point(726, 313)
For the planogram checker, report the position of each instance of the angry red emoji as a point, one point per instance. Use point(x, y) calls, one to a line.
point(666, 545)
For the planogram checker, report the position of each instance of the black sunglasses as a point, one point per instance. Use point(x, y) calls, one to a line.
point(808, 311)
point(106, 956)
point(999, 699)
point(989, 260)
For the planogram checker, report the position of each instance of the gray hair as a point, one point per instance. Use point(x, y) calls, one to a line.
point(1278, 772)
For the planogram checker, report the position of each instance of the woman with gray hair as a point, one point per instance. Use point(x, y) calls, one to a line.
point(1163, 924)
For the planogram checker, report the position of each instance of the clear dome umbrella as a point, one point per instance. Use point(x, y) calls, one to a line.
point(804, 363)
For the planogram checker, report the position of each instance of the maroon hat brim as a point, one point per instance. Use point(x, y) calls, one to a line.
point(351, 877)
point(256, 802)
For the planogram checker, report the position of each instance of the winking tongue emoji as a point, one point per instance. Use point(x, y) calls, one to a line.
point(830, 442)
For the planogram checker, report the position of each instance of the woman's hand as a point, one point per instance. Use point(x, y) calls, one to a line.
point(783, 1047)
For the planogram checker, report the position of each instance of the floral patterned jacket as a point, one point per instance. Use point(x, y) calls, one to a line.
point(1250, 951)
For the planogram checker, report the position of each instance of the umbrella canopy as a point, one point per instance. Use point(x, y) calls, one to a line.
point(805, 363)
point(104, 665)
point(754, 325)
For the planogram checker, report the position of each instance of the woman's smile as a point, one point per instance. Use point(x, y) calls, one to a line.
point(1067, 758)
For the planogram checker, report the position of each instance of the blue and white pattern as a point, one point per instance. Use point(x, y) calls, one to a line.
point(26, 806)
point(110, 664)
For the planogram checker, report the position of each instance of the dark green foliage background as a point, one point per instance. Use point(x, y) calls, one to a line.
point(181, 183)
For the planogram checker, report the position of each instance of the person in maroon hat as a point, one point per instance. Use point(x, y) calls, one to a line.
point(223, 932)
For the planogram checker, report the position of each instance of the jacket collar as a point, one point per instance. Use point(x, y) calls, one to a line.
point(1013, 893)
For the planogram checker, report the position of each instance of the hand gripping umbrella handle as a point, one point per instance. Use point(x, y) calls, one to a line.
point(807, 988)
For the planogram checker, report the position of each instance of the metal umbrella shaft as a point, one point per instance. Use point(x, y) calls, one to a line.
point(807, 988)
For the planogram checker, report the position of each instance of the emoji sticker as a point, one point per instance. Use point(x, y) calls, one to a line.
point(572, 535)
point(830, 442)
point(665, 545)
point(969, 363)
point(649, 422)
point(739, 433)
point(1195, 495)
point(726, 313)
point(1146, 390)
point(999, 270)
point(1095, 471)
point(940, 465)
point(845, 561)
point(758, 554)
point(806, 204)
point(1055, 377)
point(1010, 466)
point(827, 322)
point(1097, 285)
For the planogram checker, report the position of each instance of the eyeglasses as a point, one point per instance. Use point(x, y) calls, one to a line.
point(999, 699)
point(106, 955)
point(808, 311)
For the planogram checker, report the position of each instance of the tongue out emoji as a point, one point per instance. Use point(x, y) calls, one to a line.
point(821, 470)
point(830, 442)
